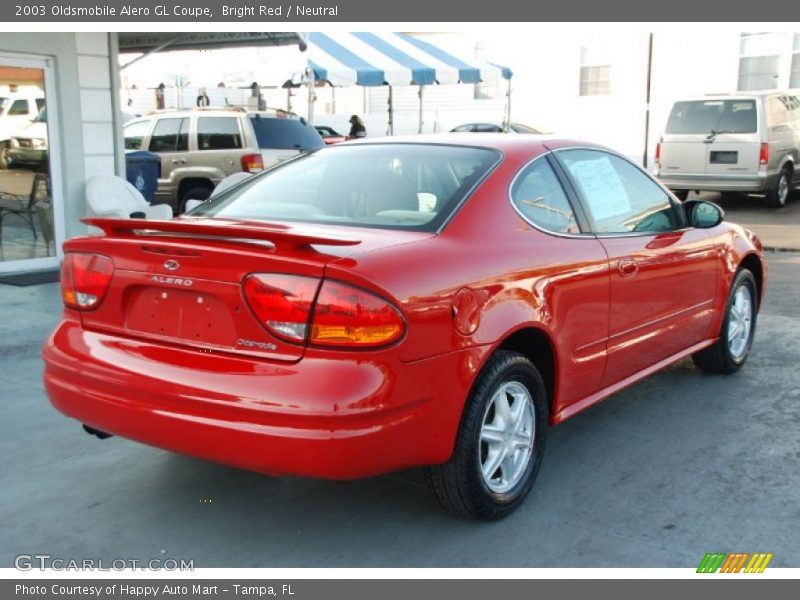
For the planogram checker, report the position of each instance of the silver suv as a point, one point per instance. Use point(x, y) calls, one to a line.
point(201, 147)
point(739, 143)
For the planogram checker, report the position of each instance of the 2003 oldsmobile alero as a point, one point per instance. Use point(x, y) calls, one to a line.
point(375, 306)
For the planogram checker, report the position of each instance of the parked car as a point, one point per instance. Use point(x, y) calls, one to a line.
point(494, 128)
point(16, 111)
point(28, 146)
point(327, 319)
point(200, 147)
point(329, 134)
point(739, 143)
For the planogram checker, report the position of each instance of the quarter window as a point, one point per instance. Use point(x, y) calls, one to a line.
point(619, 197)
point(218, 133)
point(538, 196)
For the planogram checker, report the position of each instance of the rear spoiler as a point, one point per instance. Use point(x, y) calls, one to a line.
point(279, 235)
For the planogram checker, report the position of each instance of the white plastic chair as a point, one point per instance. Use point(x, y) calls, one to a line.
point(111, 196)
point(224, 185)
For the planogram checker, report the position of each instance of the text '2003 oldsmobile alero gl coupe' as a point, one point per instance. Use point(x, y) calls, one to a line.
point(373, 306)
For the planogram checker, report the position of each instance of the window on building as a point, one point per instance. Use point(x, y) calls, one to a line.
point(759, 60)
point(595, 77)
point(485, 91)
point(794, 79)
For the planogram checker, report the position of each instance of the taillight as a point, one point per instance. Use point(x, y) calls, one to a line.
point(282, 303)
point(85, 279)
point(342, 315)
point(252, 163)
point(763, 157)
point(349, 316)
point(658, 153)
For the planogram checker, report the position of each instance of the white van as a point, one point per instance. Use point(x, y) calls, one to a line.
point(17, 109)
point(732, 143)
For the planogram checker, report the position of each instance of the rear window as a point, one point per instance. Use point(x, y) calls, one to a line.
point(285, 134)
point(718, 116)
point(393, 186)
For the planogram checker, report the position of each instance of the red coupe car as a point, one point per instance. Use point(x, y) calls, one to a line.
point(374, 306)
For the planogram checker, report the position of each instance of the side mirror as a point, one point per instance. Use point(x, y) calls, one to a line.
point(703, 214)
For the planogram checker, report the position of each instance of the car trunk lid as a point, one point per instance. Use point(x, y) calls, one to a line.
point(180, 281)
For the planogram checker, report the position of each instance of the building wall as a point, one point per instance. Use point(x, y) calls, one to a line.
point(85, 110)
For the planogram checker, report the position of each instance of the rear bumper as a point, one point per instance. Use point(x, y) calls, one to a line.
point(758, 183)
point(27, 155)
point(322, 417)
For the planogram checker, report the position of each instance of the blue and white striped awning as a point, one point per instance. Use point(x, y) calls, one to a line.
point(371, 59)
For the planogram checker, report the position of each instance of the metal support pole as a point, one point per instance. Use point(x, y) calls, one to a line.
point(507, 120)
point(311, 94)
point(390, 130)
point(647, 100)
point(421, 90)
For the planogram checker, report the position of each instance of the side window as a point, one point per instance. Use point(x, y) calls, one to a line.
point(39, 104)
point(619, 197)
point(170, 135)
point(538, 196)
point(134, 134)
point(20, 107)
point(218, 133)
point(777, 111)
point(463, 128)
point(487, 128)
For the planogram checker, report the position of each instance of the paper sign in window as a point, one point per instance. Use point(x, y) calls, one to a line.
point(602, 187)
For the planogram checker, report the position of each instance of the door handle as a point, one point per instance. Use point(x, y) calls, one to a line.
point(627, 267)
point(178, 161)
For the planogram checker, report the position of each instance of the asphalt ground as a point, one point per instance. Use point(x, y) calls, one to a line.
point(682, 464)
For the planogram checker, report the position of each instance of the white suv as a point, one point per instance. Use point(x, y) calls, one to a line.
point(200, 147)
point(16, 111)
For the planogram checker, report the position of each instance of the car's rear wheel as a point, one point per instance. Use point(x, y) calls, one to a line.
point(500, 441)
point(777, 196)
point(681, 194)
point(732, 347)
point(195, 193)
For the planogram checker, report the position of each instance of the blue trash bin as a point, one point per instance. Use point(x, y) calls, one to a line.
point(142, 170)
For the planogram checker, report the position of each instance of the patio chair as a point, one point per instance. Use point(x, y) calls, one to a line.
point(222, 186)
point(24, 206)
point(111, 196)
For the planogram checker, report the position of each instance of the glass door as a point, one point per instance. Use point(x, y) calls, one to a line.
point(31, 219)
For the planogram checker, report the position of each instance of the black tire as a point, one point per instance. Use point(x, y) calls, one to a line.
point(5, 161)
point(681, 194)
point(720, 358)
point(195, 193)
point(459, 484)
point(779, 195)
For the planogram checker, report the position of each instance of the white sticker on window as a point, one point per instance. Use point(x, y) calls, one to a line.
point(602, 187)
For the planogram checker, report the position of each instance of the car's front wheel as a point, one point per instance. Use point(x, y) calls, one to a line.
point(5, 161)
point(732, 347)
point(500, 441)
